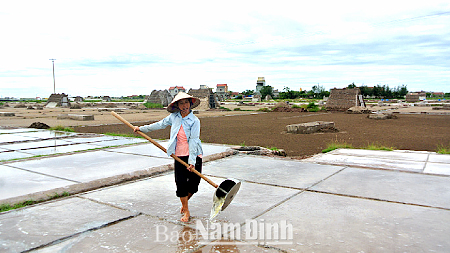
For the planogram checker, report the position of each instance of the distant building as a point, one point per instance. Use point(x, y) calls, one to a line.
point(438, 94)
point(208, 100)
point(416, 96)
point(78, 99)
point(222, 91)
point(276, 93)
point(343, 99)
point(175, 89)
point(260, 84)
point(106, 99)
point(60, 100)
point(162, 97)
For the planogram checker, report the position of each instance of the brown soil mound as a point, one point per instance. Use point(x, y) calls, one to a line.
point(409, 131)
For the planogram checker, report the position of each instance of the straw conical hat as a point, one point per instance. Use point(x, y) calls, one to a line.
point(181, 95)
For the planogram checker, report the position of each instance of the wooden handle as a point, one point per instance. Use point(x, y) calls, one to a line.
point(164, 149)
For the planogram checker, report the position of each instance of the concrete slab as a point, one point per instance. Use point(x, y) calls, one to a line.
point(7, 114)
point(85, 167)
point(138, 234)
point(118, 142)
point(5, 156)
point(392, 155)
point(439, 158)
point(16, 182)
point(47, 134)
point(83, 139)
point(147, 149)
point(413, 188)
point(145, 234)
point(151, 150)
point(272, 171)
point(18, 130)
point(59, 149)
point(330, 223)
point(82, 117)
point(35, 144)
point(32, 227)
point(9, 138)
point(437, 168)
point(368, 162)
point(156, 197)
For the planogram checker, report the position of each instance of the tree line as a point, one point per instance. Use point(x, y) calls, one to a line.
point(319, 92)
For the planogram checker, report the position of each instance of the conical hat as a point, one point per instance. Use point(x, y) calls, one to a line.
point(181, 95)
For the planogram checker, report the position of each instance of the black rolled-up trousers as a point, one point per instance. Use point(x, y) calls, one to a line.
point(186, 181)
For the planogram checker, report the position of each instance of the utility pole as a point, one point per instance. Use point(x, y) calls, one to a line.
point(54, 86)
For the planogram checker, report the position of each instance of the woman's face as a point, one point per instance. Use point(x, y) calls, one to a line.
point(185, 106)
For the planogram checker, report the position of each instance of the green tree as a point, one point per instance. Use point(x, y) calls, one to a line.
point(248, 92)
point(318, 91)
point(287, 93)
point(266, 90)
point(351, 86)
point(366, 91)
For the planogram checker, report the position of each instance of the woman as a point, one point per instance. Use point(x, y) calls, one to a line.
point(185, 143)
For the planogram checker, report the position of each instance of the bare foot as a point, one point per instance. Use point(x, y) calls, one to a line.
point(185, 217)
point(182, 210)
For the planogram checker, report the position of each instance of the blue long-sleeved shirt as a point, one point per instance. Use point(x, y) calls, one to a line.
point(191, 127)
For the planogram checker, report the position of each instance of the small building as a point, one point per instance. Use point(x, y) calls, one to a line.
point(343, 99)
point(438, 94)
point(222, 92)
point(106, 99)
point(175, 89)
point(78, 99)
point(276, 93)
point(58, 100)
point(162, 97)
point(413, 97)
point(208, 100)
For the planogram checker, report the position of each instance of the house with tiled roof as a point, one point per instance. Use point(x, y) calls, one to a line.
point(222, 91)
point(175, 89)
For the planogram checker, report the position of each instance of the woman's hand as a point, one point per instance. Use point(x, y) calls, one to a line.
point(190, 167)
point(136, 128)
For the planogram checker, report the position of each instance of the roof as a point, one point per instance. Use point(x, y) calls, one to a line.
point(221, 85)
point(178, 87)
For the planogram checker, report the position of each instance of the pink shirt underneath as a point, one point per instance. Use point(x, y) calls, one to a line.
point(182, 148)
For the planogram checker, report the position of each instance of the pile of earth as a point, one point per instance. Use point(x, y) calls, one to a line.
point(284, 107)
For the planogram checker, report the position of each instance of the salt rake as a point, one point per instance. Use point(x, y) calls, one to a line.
point(225, 192)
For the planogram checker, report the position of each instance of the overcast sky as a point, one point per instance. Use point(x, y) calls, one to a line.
point(133, 47)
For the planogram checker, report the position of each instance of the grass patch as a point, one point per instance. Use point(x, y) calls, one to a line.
point(62, 128)
point(124, 135)
point(265, 109)
point(443, 150)
point(335, 145)
point(371, 146)
point(224, 108)
point(153, 105)
point(8, 207)
point(378, 147)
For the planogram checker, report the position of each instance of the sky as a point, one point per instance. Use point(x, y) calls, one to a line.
point(122, 48)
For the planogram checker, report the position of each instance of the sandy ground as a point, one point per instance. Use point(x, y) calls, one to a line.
point(415, 130)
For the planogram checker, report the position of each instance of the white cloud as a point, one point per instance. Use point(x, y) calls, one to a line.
point(118, 48)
